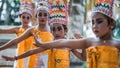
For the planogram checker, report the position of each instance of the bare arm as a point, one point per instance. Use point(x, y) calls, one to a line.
point(9, 31)
point(26, 54)
point(15, 41)
point(62, 43)
point(78, 54)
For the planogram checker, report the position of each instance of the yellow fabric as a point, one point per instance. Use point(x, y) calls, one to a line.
point(119, 59)
point(45, 37)
point(22, 47)
point(62, 59)
point(102, 57)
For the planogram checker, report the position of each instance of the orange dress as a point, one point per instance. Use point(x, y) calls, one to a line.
point(62, 58)
point(35, 60)
point(102, 57)
point(119, 59)
point(22, 47)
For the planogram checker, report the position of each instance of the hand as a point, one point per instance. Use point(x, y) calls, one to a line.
point(37, 40)
point(8, 58)
point(76, 36)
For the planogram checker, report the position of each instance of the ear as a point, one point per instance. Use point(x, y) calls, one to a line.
point(66, 31)
point(112, 25)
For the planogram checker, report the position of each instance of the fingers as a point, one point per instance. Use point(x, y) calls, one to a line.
point(4, 57)
point(36, 44)
point(8, 58)
point(77, 36)
point(35, 37)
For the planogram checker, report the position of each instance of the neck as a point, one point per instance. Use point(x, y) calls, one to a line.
point(42, 27)
point(25, 26)
point(106, 37)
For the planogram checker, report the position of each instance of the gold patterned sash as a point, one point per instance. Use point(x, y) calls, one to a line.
point(102, 57)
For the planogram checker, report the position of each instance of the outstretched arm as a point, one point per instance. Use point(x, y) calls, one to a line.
point(62, 43)
point(9, 31)
point(15, 41)
point(26, 54)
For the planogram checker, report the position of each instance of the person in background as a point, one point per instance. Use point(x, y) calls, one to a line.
point(43, 30)
point(102, 51)
point(58, 23)
point(25, 15)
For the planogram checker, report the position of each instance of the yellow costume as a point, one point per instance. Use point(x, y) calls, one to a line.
point(22, 47)
point(62, 58)
point(102, 57)
point(33, 60)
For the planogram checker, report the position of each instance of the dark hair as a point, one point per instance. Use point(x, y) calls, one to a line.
point(65, 27)
point(109, 19)
point(21, 15)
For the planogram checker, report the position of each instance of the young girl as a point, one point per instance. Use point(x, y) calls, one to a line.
point(42, 29)
point(102, 51)
point(25, 15)
point(60, 57)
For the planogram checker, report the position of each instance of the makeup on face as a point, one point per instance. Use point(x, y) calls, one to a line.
point(58, 32)
point(100, 25)
point(98, 21)
point(42, 13)
point(59, 28)
point(25, 17)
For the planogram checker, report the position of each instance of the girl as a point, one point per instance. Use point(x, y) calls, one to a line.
point(42, 29)
point(59, 29)
point(61, 56)
point(102, 51)
point(25, 15)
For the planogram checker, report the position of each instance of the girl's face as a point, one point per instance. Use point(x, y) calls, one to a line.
point(100, 25)
point(42, 16)
point(58, 31)
point(25, 19)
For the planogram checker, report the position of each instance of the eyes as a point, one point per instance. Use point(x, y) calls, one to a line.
point(57, 29)
point(42, 14)
point(27, 17)
point(98, 21)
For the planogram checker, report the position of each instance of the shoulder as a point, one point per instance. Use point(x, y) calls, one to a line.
point(30, 29)
point(89, 41)
point(15, 29)
point(117, 41)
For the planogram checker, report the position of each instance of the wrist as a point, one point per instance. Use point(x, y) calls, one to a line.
point(15, 58)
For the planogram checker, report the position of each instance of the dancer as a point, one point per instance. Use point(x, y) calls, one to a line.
point(25, 15)
point(102, 51)
point(42, 29)
point(58, 24)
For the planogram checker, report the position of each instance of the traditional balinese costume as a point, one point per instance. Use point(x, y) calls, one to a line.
point(22, 47)
point(43, 59)
point(25, 44)
point(103, 56)
point(59, 14)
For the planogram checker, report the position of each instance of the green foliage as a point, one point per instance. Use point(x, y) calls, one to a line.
point(116, 31)
point(10, 8)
